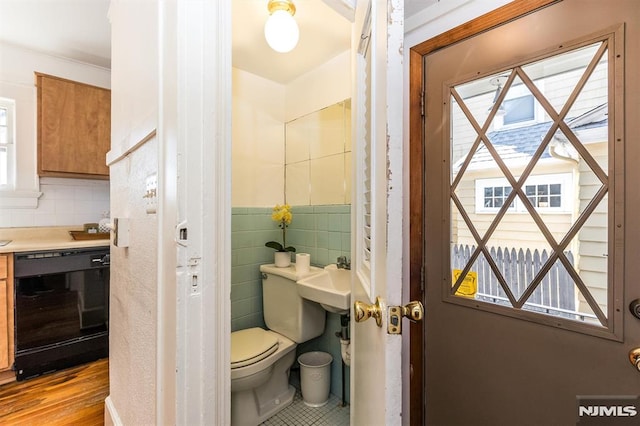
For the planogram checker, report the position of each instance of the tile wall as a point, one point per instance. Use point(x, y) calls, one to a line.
point(251, 228)
point(64, 202)
point(322, 231)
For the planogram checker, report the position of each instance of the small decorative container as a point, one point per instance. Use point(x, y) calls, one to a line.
point(282, 259)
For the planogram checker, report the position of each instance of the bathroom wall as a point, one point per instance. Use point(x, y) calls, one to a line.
point(260, 110)
point(258, 141)
point(318, 157)
point(251, 227)
point(325, 233)
point(322, 231)
point(325, 85)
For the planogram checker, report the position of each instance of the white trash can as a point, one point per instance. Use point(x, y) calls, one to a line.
point(315, 377)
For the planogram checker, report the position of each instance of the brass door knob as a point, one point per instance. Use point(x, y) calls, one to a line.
point(363, 311)
point(413, 310)
point(634, 357)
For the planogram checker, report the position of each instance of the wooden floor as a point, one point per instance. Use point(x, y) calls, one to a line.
point(70, 397)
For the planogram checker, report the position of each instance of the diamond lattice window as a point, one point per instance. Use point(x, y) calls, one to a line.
point(549, 255)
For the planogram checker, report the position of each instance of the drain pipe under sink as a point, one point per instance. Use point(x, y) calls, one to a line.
point(345, 351)
point(345, 342)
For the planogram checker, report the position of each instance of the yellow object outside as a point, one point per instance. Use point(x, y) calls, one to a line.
point(469, 286)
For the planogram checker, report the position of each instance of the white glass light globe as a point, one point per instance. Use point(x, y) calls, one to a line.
point(281, 31)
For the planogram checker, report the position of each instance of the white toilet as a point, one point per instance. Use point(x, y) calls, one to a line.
point(261, 359)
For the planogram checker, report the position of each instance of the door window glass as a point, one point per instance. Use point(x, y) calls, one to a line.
point(529, 186)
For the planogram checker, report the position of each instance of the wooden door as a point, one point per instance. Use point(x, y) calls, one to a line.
point(529, 236)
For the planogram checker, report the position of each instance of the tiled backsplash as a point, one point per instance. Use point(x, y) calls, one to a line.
point(322, 231)
point(64, 202)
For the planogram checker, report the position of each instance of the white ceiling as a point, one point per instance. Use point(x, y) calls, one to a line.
point(76, 29)
point(324, 34)
point(80, 30)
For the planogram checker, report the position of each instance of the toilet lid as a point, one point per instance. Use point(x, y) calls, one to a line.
point(251, 345)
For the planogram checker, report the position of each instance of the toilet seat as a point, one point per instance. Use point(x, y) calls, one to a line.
point(251, 345)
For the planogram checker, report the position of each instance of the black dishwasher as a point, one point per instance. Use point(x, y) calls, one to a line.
point(61, 309)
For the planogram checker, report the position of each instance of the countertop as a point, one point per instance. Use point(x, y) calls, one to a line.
point(45, 238)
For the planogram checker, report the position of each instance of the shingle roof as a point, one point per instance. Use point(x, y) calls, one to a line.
point(521, 143)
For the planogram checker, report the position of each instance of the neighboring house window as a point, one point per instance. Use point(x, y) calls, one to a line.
point(547, 193)
point(544, 195)
point(7, 156)
point(495, 196)
point(518, 110)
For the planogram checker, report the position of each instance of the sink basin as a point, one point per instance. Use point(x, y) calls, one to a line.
point(331, 288)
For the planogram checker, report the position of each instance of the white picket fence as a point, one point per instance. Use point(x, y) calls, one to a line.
point(555, 294)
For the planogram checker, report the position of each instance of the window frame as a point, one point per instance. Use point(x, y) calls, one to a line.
point(564, 179)
point(515, 92)
point(530, 99)
point(10, 106)
point(610, 46)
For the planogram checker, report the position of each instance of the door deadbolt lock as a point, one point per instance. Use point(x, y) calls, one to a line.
point(363, 311)
point(634, 307)
point(413, 310)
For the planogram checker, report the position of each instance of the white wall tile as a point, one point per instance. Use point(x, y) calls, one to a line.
point(297, 182)
point(329, 131)
point(22, 218)
point(64, 202)
point(327, 177)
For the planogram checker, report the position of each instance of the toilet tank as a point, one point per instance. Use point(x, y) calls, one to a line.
point(285, 312)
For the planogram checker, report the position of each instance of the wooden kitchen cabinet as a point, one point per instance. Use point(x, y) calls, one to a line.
point(74, 128)
point(6, 317)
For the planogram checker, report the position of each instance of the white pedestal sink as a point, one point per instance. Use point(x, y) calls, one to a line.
point(331, 288)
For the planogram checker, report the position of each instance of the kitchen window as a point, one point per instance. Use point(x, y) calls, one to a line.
point(7, 151)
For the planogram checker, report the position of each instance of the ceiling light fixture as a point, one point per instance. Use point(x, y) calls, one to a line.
point(281, 30)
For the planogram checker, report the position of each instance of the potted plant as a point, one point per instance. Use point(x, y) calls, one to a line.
point(282, 215)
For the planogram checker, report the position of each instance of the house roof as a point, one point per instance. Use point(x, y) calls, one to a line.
point(517, 145)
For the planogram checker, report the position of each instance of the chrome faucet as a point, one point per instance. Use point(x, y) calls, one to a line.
point(343, 262)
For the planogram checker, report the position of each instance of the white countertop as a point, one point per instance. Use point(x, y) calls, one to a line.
point(45, 238)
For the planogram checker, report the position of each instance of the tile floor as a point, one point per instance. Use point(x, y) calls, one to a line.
point(299, 414)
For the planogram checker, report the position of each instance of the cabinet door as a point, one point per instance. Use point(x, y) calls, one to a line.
point(6, 313)
point(74, 128)
point(4, 326)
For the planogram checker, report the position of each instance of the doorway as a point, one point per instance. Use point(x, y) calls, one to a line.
point(501, 347)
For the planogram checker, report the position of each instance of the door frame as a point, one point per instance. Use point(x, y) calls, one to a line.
point(193, 384)
point(417, 58)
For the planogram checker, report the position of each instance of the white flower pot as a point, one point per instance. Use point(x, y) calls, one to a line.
point(282, 259)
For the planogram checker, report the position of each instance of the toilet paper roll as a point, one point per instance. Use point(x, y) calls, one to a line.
point(303, 262)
